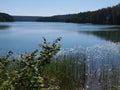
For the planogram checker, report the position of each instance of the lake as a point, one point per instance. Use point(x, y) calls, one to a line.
point(95, 46)
point(25, 36)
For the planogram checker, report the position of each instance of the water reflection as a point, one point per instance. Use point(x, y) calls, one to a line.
point(111, 28)
point(113, 36)
point(108, 33)
point(3, 27)
point(25, 36)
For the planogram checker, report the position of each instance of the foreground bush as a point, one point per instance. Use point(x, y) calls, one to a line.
point(25, 71)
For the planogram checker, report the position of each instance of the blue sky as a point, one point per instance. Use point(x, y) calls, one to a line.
point(52, 7)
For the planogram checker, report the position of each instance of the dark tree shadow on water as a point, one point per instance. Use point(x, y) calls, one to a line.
point(4, 27)
point(108, 34)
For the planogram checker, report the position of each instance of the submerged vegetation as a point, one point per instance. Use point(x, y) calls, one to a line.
point(95, 68)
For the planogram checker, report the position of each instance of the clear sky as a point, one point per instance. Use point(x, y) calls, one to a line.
point(52, 7)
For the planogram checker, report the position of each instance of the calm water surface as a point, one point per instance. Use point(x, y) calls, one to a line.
point(98, 44)
point(25, 36)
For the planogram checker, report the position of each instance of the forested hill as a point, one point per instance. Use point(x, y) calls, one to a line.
point(26, 18)
point(5, 17)
point(109, 15)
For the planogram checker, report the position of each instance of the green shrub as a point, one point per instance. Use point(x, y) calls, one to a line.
point(25, 71)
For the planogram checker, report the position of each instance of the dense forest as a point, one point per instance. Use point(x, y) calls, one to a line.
point(5, 17)
point(109, 15)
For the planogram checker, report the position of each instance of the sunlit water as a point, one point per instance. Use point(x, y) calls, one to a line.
point(102, 63)
point(99, 43)
point(26, 36)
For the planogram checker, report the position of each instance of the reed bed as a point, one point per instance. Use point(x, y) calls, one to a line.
point(93, 68)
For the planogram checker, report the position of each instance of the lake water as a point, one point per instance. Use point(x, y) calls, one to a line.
point(25, 36)
point(98, 44)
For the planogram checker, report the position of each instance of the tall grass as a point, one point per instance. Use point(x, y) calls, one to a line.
point(69, 69)
point(97, 68)
point(93, 68)
point(103, 64)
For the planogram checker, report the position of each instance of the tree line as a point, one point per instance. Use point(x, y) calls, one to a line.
point(109, 15)
point(5, 17)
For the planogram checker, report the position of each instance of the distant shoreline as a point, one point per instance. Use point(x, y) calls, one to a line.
point(104, 16)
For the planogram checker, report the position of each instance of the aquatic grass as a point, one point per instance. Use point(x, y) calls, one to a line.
point(69, 69)
point(103, 67)
point(93, 68)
